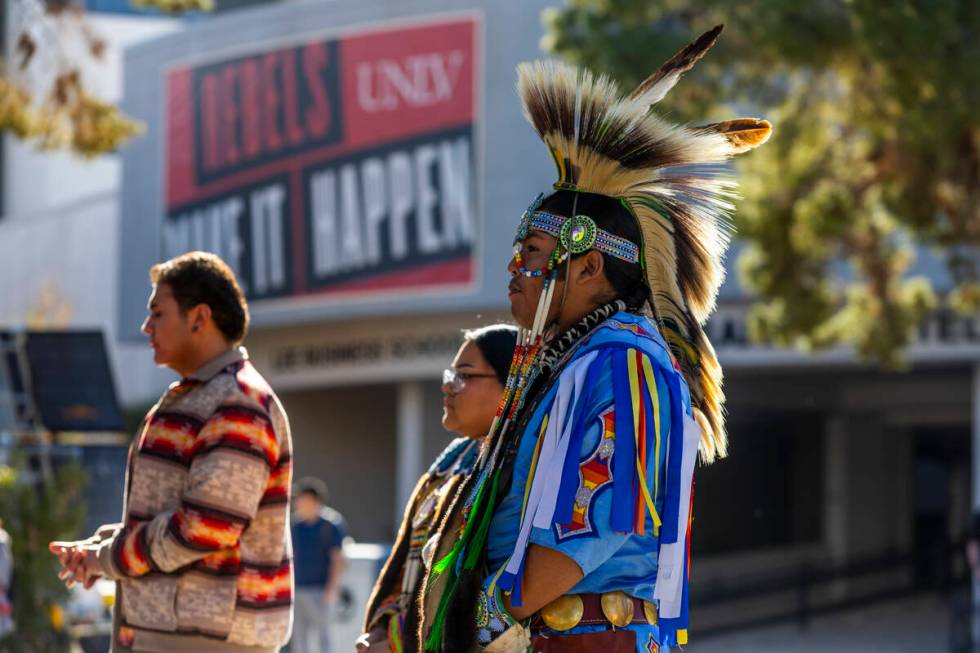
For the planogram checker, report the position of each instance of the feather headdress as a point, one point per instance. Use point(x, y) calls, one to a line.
point(668, 176)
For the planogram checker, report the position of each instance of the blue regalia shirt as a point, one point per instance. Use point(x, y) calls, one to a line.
point(591, 522)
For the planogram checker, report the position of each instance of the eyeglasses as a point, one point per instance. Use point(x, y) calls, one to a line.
point(456, 381)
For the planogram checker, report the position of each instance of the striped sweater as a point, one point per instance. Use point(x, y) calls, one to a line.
point(203, 560)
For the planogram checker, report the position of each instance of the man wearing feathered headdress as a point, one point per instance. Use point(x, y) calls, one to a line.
point(573, 531)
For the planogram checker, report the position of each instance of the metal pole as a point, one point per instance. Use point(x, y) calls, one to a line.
point(409, 445)
point(975, 614)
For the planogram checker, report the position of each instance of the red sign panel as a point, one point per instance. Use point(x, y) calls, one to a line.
point(330, 165)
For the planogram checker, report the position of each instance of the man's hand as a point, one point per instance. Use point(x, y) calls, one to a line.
point(330, 594)
point(68, 555)
point(63, 550)
point(79, 561)
point(88, 570)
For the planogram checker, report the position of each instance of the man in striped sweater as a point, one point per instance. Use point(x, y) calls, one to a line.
point(203, 559)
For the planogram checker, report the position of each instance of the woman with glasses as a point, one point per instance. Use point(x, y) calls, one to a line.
point(471, 389)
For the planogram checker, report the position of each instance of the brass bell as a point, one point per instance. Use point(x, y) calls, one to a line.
point(618, 608)
point(650, 612)
point(563, 613)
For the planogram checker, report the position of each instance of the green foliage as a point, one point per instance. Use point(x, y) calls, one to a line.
point(876, 147)
point(34, 512)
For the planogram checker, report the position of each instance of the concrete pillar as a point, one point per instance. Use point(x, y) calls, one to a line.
point(410, 445)
point(903, 441)
point(836, 485)
point(836, 496)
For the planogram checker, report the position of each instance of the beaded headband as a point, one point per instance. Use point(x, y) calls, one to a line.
point(577, 234)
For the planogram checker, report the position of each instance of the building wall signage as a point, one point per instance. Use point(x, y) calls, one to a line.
point(331, 165)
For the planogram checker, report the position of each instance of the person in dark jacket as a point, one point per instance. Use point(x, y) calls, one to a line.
point(318, 538)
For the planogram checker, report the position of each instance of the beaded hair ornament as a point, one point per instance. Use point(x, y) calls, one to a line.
point(575, 235)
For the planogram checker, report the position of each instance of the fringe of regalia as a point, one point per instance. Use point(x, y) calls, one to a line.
point(531, 360)
point(553, 479)
point(399, 581)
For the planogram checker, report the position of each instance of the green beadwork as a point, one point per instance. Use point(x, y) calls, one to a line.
point(578, 235)
point(482, 611)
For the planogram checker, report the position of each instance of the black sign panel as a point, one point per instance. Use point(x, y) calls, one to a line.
point(249, 228)
point(72, 382)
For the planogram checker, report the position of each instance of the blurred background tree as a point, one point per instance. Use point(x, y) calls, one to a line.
point(875, 151)
point(36, 508)
point(45, 97)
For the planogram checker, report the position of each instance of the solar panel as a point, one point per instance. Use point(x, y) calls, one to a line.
point(72, 382)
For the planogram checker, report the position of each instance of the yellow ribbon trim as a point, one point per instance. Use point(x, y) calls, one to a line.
point(527, 491)
point(640, 470)
point(534, 466)
point(655, 397)
point(493, 584)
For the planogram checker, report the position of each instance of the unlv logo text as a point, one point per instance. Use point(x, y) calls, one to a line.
point(416, 81)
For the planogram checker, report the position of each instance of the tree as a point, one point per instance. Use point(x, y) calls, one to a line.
point(876, 148)
point(36, 508)
point(43, 94)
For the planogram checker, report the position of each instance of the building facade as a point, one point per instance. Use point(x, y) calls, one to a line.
point(361, 166)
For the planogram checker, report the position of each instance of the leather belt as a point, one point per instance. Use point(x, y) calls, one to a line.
point(610, 608)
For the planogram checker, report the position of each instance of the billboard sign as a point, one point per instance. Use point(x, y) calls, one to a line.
point(326, 166)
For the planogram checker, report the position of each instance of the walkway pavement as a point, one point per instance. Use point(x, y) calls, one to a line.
point(915, 625)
